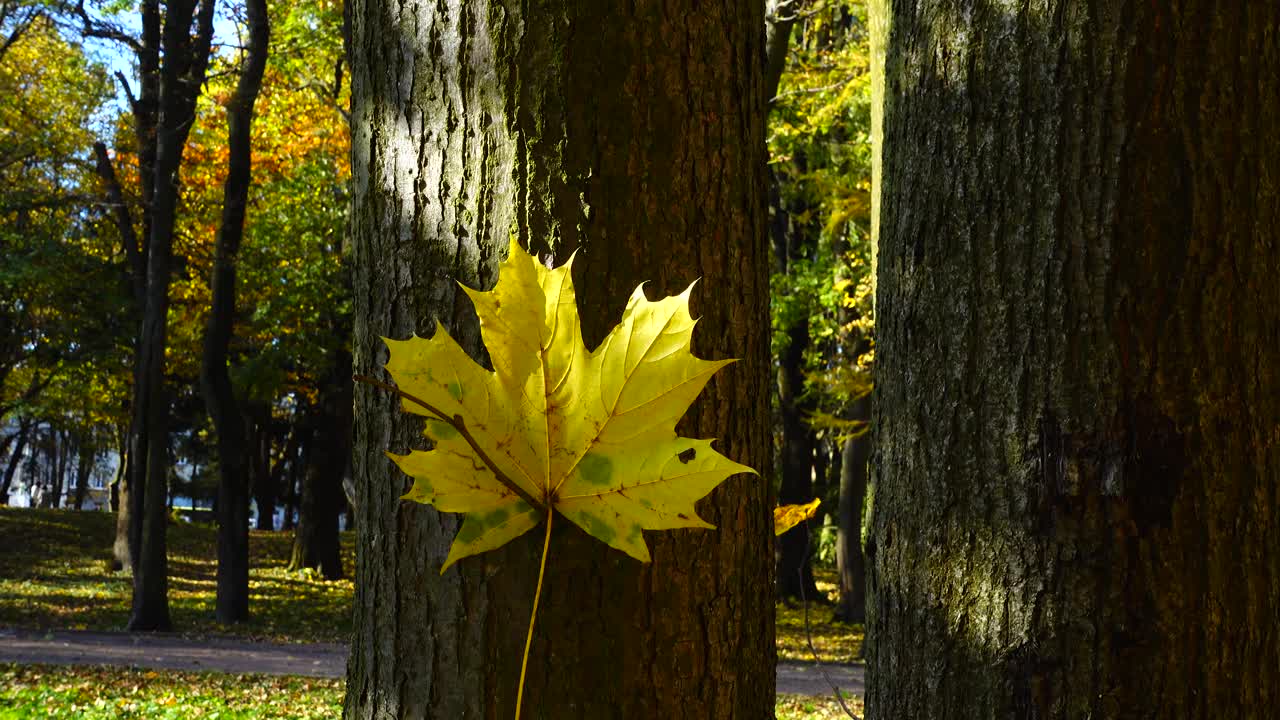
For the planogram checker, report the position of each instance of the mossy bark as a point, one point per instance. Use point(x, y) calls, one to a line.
point(1077, 463)
point(633, 134)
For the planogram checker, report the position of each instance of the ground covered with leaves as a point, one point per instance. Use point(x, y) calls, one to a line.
point(99, 693)
point(31, 692)
point(802, 707)
point(57, 574)
point(835, 642)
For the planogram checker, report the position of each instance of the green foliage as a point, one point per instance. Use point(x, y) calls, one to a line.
point(820, 154)
point(61, 305)
point(292, 296)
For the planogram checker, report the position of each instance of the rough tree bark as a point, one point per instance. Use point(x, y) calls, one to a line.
point(232, 600)
point(1077, 502)
point(634, 134)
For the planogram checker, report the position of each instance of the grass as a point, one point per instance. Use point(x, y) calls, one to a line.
point(801, 707)
point(835, 642)
point(33, 692)
point(49, 691)
point(61, 578)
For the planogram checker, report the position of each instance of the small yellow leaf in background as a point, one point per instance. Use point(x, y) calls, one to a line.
point(786, 517)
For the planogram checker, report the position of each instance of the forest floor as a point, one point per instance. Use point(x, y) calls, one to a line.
point(61, 580)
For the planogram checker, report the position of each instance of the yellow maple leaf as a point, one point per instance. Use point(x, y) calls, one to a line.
point(555, 427)
point(786, 517)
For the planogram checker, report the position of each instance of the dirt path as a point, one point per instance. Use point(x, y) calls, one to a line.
point(232, 655)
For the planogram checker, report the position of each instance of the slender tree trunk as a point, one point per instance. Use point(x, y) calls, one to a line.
point(258, 458)
point(121, 552)
point(9, 440)
point(232, 603)
point(179, 79)
point(64, 487)
point(288, 466)
point(850, 561)
point(57, 467)
point(472, 121)
point(780, 18)
point(296, 458)
point(315, 544)
point(86, 455)
point(1077, 502)
point(795, 551)
point(11, 470)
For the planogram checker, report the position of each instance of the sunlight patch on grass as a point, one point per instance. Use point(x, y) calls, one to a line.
point(36, 692)
point(835, 642)
point(61, 578)
point(99, 693)
point(801, 707)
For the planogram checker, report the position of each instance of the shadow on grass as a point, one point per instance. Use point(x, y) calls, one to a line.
point(52, 576)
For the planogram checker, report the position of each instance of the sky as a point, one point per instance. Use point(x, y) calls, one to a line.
point(119, 58)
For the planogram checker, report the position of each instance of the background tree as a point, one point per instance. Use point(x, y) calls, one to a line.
point(215, 379)
point(172, 50)
point(292, 327)
point(60, 314)
point(1077, 480)
point(821, 286)
point(523, 121)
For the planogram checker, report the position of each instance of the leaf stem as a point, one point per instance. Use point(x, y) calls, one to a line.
point(533, 616)
point(457, 423)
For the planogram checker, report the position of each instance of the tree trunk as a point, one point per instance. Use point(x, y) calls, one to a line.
point(121, 552)
point(473, 121)
point(1077, 499)
point(86, 454)
point(64, 488)
point(179, 78)
point(258, 460)
point(9, 439)
point(11, 470)
point(850, 562)
point(795, 551)
point(232, 604)
point(57, 467)
point(315, 543)
point(294, 459)
point(282, 468)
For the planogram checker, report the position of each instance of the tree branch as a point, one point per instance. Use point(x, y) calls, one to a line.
point(104, 30)
point(124, 222)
